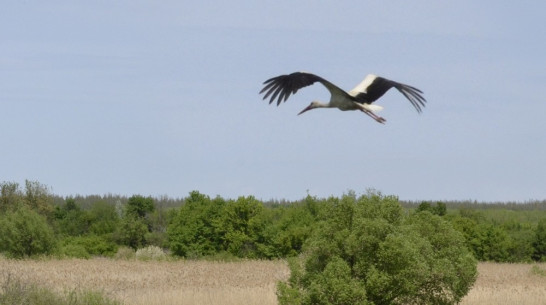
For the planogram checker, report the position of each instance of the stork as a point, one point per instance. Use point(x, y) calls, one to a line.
point(359, 98)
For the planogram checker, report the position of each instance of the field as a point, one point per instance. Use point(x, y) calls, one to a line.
point(247, 282)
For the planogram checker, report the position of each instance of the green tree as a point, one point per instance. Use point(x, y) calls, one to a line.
point(37, 197)
point(366, 251)
point(131, 232)
point(439, 209)
point(25, 233)
point(244, 222)
point(195, 231)
point(70, 219)
point(103, 218)
point(11, 197)
point(139, 206)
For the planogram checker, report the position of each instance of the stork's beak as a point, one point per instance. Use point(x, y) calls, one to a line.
point(307, 108)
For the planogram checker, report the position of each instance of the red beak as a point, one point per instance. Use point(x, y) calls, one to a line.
point(307, 108)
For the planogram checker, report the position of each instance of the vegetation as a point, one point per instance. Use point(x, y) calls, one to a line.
point(367, 252)
point(14, 291)
point(370, 249)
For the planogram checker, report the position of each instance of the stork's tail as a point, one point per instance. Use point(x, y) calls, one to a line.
point(373, 108)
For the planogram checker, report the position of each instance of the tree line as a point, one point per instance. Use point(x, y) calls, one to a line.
point(199, 225)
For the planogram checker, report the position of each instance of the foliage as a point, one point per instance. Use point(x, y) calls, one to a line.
point(25, 233)
point(243, 223)
point(71, 220)
point(16, 292)
point(199, 226)
point(103, 218)
point(91, 244)
point(139, 206)
point(439, 209)
point(539, 242)
point(368, 252)
point(196, 231)
point(131, 232)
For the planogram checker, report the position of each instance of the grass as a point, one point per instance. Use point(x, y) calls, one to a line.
point(15, 291)
point(136, 282)
point(507, 284)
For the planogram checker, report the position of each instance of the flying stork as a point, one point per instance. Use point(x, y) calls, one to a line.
point(360, 98)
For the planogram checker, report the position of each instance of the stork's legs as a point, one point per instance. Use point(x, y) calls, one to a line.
point(374, 116)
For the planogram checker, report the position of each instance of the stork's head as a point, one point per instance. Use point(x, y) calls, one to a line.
point(313, 105)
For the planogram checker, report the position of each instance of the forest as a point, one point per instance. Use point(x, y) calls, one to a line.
point(200, 226)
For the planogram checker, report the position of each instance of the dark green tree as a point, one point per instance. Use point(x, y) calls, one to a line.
point(139, 206)
point(244, 222)
point(131, 232)
point(70, 219)
point(24, 233)
point(103, 218)
point(196, 231)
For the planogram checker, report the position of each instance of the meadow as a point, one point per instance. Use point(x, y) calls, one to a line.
point(136, 282)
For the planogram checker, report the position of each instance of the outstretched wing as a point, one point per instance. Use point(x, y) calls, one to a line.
point(373, 87)
point(282, 86)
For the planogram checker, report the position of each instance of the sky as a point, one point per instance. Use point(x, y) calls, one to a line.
point(160, 98)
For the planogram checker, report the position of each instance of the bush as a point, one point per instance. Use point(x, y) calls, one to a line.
point(25, 233)
point(125, 253)
point(77, 251)
point(150, 253)
point(92, 244)
point(367, 252)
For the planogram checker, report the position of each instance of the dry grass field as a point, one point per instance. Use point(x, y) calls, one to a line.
point(248, 282)
point(508, 284)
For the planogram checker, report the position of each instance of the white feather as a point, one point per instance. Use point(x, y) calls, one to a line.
point(373, 108)
point(363, 86)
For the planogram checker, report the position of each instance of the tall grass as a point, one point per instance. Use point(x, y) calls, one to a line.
point(15, 291)
point(136, 282)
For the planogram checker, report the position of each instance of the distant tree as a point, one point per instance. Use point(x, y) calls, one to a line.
point(244, 221)
point(103, 218)
point(139, 206)
point(131, 232)
point(195, 230)
point(11, 197)
point(70, 219)
point(38, 198)
point(439, 209)
point(24, 233)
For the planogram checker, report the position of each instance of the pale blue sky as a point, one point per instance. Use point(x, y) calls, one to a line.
point(161, 98)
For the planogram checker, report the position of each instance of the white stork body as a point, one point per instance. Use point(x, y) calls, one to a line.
point(359, 98)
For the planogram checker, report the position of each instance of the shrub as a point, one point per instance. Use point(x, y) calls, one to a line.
point(92, 244)
point(368, 252)
point(150, 253)
point(25, 233)
point(125, 253)
point(77, 251)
